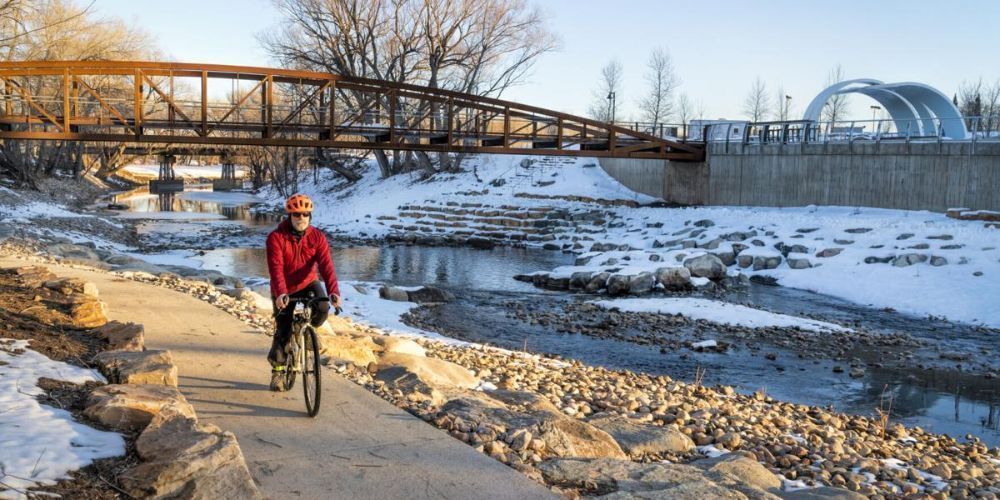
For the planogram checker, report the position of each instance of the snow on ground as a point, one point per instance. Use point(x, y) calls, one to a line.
point(42, 444)
point(718, 312)
point(185, 171)
point(962, 286)
point(362, 304)
point(189, 216)
point(355, 209)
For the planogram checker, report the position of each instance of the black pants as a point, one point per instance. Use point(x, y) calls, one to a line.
point(283, 320)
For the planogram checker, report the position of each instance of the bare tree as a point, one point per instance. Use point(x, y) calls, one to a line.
point(783, 105)
point(608, 92)
point(477, 46)
point(657, 105)
point(991, 106)
point(836, 107)
point(757, 103)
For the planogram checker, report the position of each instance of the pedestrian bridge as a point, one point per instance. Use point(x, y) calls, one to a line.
point(219, 105)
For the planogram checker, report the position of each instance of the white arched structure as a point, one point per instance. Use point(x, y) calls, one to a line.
point(915, 108)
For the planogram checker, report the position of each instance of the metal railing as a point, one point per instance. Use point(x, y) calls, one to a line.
point(805, 131)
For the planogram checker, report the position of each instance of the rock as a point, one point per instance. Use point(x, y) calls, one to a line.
point(402, 345)
point(429, 294)
point(857, 372)
point(822, 493)
point(74, 252)
point(393, 293)
point(72, 286)
point(744, 261)
point(937, 261)
point(344, 349)
point(858, 230)
point(31, 276)
point(761, 262)
point(703, 223)
point(909, 259)
point(571, 438)
point(131, 407)
point(905, 236)
point(146, 367)
point(85, 311)
point(674, 278)
point(122, 336)
point(941, 469)
point(829, 252)
point(480, 243)
point(597, 282)
point(879, 260)
point(238, 293)
point(579, 280)
point(641, 439)
point(618, 284)
point(945, 237)
point(186, 459)
point(479, 407)
point(633, 480)
point(432, 371)
point(799, 263)
point(839, 241)
point(745, 470)
point(706, 266)
point(641, 284)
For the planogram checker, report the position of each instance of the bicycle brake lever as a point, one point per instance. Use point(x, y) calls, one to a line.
point(337, 310)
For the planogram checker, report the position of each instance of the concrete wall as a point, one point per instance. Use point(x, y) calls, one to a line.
point(915, 176)
point(642, 176)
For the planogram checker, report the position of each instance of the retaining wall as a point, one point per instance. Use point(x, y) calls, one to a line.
point(916, 176)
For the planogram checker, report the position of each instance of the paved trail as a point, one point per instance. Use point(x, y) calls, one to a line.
point(358, 447)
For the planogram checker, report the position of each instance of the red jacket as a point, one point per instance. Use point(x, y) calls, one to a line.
point(292, 264)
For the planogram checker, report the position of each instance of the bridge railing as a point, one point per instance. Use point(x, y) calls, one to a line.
point(967, 129)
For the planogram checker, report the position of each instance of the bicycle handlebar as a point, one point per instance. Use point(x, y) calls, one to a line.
point(308, 301)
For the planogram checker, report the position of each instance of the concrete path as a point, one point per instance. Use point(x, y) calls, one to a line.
point(358, 447)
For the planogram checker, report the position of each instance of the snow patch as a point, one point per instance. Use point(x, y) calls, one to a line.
point(718, 312)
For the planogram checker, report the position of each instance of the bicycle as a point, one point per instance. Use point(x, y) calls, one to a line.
point(302, 351)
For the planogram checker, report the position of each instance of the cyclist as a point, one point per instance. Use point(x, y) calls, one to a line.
point(295, 249)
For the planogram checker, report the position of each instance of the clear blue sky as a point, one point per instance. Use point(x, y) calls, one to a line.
point(718, 48)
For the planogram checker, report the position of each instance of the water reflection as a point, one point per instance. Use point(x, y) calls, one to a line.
point(457, 268)
point(141, 200)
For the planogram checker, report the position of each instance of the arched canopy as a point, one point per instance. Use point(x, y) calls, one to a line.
point(914, 107)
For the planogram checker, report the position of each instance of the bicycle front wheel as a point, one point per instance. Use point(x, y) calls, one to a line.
point(310, 370)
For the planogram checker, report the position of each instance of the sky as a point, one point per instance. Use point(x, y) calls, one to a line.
point(718, 48)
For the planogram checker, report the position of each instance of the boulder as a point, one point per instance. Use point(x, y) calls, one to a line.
point(483, 409)
point(597, 282)
point(480, 243)
point(741, 468)
point(75, 252)
point(344, 349)
point(626, 479)
point(909, 259)
point(429, 294)
point(761, 262)
point(402, 345)
point(795, 263)
point(641, 284)
point(674, 278)
point(641, 439)
point(727, 256)
point(146, 367)
point(744, 261)
point(703, 223)
point(131, 407)
point(571, 438)
point(122, 336)
point(706, 266)
point(618, 284)
point(186, 459)
point(937, 261)
point(829, 252)
point(822, 493)
point(393, 293)
point(72, 286)
point(31, 276)
point(579, 280)
point(432, 371)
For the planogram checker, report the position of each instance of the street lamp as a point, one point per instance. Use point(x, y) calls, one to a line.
point(611, 99)
point(874, 109)
point(788, 107)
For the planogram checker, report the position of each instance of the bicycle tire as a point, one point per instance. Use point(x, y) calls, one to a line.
point(310, 371)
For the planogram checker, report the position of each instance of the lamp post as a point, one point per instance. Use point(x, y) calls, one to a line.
point(611, 99)
point(874, 109)
point(788, 107)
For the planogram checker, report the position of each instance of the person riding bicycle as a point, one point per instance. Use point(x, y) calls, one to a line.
point(295, 249)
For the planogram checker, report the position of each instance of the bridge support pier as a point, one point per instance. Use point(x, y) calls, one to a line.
point(228, 182)
point(167, 181)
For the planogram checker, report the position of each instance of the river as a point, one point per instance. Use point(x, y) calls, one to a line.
point(944, 401)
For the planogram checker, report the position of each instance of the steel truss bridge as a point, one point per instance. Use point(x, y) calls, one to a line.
point(145, 103)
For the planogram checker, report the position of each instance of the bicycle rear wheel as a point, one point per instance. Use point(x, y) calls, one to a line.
point(310, 371)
